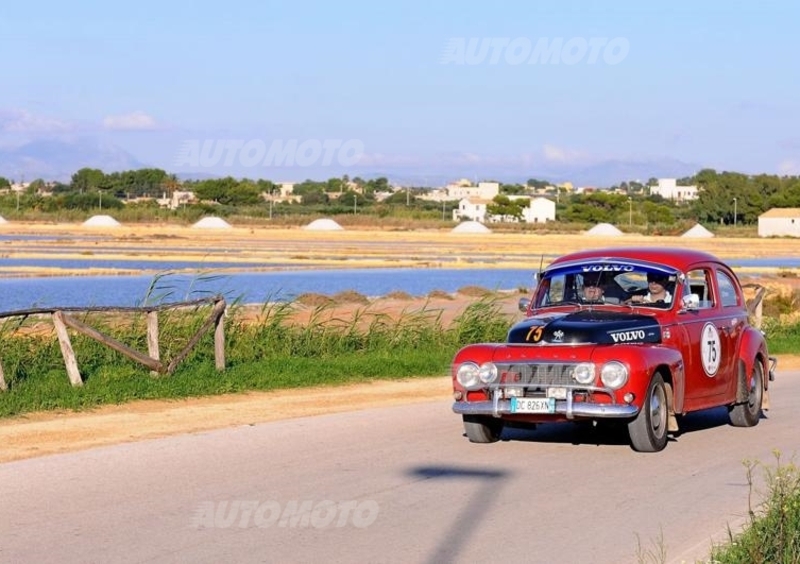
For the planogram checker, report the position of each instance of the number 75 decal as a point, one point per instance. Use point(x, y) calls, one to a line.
point(710, 349)
point(535, 334)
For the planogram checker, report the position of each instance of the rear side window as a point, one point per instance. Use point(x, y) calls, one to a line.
point(727, 290)
point(699, 282)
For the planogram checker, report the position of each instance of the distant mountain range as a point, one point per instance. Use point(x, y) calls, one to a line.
point(59, 159)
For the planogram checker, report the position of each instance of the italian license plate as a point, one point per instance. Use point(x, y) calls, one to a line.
point(533, 405)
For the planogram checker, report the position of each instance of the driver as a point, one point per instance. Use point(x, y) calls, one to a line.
point(592, 290)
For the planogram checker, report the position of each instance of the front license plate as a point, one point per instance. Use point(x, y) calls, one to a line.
point(533, 405)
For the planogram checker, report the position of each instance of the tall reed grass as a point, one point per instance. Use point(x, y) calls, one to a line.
point(283, 344)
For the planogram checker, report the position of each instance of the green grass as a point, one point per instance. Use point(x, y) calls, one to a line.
point(782, 338)
point(273, 352)
point(772, 533)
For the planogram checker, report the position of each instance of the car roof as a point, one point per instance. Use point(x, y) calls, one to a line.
point(680, 259)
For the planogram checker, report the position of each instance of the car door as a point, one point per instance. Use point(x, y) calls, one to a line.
point(731, 323)
point(704, 347)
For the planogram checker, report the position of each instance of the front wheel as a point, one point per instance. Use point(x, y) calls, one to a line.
point(482, 429)
point(748, 413)
point(648, 431)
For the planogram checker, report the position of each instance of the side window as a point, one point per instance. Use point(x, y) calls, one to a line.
point(727, 290)
point(699, 282)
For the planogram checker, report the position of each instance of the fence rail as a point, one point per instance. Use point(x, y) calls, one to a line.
point(62, 321)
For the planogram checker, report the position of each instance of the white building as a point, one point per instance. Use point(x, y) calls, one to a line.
point(471, 208)
point(779, 222)
point(540, 210)
point(668, 189)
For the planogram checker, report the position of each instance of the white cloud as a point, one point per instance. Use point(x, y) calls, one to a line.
point(789, 167)
point(135, 120)
point(559, 155)
point(22, 121)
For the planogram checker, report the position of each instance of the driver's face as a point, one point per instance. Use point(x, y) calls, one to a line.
point(593, 292)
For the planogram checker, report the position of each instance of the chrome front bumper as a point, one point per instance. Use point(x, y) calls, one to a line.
point(498, 407)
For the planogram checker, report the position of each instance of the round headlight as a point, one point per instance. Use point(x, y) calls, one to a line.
point(614, 374)
point(487, 373)
point(584, 373)
point(467, 375)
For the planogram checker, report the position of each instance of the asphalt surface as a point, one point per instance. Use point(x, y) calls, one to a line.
point(399, 484)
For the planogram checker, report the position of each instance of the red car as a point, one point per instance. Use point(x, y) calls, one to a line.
point(639, 335)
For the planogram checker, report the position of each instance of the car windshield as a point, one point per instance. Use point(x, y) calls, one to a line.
point(607, 282)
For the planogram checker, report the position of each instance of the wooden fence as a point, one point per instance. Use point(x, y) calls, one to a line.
point(63, 319)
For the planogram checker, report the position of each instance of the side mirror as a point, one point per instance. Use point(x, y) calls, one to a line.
point(691, 302)
point(523, 304)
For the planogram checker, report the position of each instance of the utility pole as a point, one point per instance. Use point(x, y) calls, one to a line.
point(734, 212)
point(630, 212)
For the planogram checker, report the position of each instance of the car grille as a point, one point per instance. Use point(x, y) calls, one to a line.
point(538, 374)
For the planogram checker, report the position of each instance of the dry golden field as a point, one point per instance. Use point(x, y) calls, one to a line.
point(299, 248)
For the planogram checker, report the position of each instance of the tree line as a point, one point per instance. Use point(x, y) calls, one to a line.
point(723, 197)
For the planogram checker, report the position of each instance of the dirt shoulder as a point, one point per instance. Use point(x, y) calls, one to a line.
point(41, 434)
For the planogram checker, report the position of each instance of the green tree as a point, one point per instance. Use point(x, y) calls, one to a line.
point(87, 179)
point(503, 207)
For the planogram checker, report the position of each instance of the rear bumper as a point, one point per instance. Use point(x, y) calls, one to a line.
point(569, 409)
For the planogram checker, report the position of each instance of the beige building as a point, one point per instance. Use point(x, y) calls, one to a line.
point(779, 222)
point(483, 191)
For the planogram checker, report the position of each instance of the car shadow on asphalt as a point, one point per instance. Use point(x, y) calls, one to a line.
point(611, 433)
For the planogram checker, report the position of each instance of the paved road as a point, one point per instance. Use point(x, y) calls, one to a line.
point(390, 485)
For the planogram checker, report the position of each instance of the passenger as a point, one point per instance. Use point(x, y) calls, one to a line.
point(656, 290)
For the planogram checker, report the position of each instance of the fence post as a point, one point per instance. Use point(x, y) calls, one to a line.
point(3, 386)
point(219, 340)
point(152, 337)
point(66, 349)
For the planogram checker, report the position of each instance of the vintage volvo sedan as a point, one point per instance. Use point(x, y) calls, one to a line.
point(638, 335)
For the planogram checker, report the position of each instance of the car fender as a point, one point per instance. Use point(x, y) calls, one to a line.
point(643, 363)
point(753, 348)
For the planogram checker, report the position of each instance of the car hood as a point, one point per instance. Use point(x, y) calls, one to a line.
point(587, 326)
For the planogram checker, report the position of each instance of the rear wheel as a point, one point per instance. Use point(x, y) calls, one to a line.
point(482, 429)
point(748, 413)
point(648, 431)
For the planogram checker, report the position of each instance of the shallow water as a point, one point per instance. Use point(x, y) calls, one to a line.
point(248, 287)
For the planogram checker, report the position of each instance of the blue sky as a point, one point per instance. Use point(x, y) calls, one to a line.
point(711, 83)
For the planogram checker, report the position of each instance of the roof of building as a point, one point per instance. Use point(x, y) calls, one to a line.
point(781, 212)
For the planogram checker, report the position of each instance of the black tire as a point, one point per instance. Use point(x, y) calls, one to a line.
point(648, 431)
point(747, 414)
point(482, 429)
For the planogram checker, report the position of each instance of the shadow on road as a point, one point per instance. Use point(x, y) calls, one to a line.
point(473, 513)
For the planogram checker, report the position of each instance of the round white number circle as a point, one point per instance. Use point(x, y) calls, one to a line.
point(710, 349)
